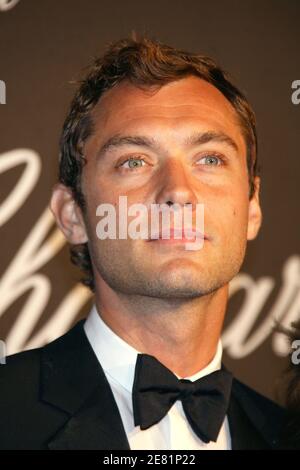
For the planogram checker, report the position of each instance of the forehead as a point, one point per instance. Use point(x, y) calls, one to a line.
point(177, 106)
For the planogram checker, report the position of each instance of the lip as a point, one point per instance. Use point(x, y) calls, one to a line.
point(189, 235)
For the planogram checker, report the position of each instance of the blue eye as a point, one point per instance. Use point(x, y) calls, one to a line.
point(132, 163)
point(212, 159)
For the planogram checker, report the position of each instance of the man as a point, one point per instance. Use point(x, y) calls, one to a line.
point(165, 127)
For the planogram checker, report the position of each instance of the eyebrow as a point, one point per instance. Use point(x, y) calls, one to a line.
point(198, 138)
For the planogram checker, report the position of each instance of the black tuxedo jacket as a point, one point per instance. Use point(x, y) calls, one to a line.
point(57, 397)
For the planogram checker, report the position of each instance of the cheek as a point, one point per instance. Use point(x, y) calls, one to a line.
point(237, 228)
point(96, 192)
point(101, 189)
point(238, 200)
point(228, 218)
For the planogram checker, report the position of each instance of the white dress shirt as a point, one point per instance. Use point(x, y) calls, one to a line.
point(118, 360)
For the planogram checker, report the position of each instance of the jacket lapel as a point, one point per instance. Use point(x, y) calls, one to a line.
point(74, 382)
point(243, 435)
point(248, 423)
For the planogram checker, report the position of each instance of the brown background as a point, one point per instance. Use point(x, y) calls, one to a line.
point(45, 44)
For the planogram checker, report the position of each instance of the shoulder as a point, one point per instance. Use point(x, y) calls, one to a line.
point(19, 385)
point(266, 416)
point(25, 367)
point(254, 400)
point(21, 369)
point(22, 380)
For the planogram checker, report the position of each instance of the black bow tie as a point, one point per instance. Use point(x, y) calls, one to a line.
point(205, 401)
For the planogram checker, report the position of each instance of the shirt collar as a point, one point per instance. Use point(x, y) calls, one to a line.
point(118, 358)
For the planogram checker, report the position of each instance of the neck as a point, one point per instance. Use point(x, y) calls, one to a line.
point(182, 334)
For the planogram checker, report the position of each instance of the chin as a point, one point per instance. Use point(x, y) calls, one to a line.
point(178, 292)
point(181, 284)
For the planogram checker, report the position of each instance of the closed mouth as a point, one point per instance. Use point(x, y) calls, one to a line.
point(177, 235)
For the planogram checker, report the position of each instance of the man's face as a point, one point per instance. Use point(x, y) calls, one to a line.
point(171, 166)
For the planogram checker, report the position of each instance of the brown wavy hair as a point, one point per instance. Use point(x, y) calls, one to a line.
point(145, 63)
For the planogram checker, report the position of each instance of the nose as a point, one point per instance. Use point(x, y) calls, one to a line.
point(175, 186)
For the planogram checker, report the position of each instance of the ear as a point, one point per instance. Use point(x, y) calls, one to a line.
point(254, 212)
point(68, 215)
